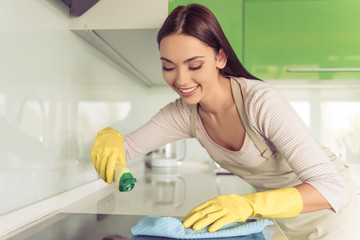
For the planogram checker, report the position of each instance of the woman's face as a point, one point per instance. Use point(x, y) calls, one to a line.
point(190, 67)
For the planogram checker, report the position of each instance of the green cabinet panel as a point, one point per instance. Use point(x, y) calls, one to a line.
point(229, 14)
point(302, 39)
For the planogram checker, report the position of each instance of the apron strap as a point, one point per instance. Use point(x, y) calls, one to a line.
point(193, 120)
point(258, 141)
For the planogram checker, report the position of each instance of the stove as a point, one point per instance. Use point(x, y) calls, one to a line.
point(81, 226)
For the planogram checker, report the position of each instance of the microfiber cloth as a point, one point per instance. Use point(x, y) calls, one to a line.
point(172, 228)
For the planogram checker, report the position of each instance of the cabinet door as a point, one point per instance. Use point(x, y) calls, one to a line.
point(229, 13)
point(297, 39)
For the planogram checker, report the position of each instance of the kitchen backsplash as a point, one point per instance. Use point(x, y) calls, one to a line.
point(56, 92)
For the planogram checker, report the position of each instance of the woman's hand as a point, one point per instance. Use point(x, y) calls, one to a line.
point(222, 210)
point(219, 212)
point(106, 152)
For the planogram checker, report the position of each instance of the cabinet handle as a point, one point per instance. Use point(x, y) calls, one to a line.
point(323, 69)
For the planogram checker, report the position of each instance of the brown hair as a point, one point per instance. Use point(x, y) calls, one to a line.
point(198, 21)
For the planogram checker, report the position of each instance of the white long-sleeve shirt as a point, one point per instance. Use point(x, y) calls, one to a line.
point(269, 115)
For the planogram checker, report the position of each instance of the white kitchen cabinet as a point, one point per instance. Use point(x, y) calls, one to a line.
point(126, 31)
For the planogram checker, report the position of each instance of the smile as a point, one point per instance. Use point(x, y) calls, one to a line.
point(187, 92)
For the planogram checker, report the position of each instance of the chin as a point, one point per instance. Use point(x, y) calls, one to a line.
point(190, 101)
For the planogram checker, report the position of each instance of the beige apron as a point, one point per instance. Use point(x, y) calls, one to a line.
point(276, 173)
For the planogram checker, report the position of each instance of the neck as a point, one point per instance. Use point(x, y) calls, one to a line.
point(219, 100)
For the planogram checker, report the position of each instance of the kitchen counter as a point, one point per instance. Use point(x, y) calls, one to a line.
point(165, 193)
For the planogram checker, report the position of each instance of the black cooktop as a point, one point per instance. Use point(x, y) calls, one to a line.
point(79, 226)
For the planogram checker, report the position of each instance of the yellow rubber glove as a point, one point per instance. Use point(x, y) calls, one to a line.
point(106, 152)
point(222, 210)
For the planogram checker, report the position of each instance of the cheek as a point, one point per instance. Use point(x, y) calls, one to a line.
point(202, 75)
point(168, 77)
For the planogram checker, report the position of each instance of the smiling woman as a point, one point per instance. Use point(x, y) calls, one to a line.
point(190, 67)
point(249, 129)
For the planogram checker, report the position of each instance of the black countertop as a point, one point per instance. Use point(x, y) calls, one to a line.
point(82, 226)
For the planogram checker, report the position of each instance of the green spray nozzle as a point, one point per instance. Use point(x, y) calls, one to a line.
point(124, 180)
point(127, 182)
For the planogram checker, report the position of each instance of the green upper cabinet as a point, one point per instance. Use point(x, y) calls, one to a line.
point(230, 16)
point(302, 39)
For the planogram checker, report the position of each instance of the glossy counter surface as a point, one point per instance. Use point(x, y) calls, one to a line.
point(164, 193)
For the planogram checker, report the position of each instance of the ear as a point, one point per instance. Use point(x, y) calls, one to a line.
point(221, 59)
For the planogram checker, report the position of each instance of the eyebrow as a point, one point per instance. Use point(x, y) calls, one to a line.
point(187, 60)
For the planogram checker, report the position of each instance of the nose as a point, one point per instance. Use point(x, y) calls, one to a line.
point(182, 77)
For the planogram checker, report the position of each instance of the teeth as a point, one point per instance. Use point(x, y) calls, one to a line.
point(187, 90)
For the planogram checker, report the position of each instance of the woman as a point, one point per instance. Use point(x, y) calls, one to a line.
point(247, 128)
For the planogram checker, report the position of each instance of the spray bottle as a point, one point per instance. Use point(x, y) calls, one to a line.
point(123, 178)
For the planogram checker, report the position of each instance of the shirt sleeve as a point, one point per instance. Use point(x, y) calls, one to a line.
point(274, 118)
point(170, 124)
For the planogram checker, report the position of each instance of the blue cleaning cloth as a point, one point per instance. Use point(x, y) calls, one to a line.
point(254, 236)
point(172, 228)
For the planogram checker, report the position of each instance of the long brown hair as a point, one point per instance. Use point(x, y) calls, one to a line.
point(198, 21)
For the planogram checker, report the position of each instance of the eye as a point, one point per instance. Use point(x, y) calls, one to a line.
point(195, 68)
point(167, 69)
point(167, 66)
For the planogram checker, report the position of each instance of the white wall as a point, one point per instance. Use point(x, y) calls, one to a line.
point(56, 92)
